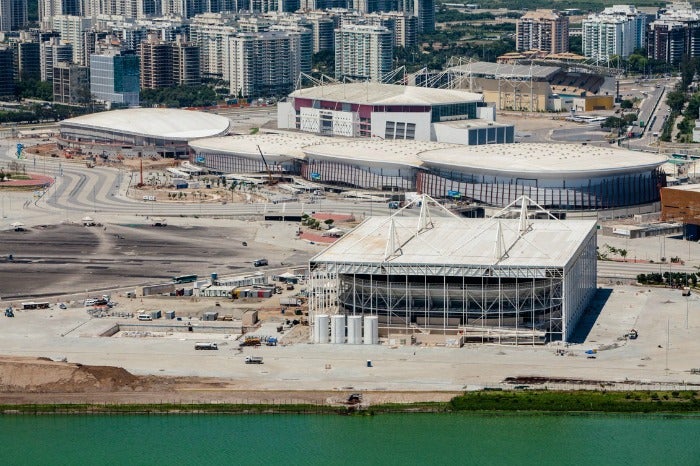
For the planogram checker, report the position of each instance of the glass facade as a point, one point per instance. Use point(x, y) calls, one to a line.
point(461, 111)
point(592, 194)
point(115, 78)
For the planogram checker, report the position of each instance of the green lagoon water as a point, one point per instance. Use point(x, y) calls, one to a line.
point(330, 439)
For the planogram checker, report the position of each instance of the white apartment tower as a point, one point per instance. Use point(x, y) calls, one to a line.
point(363, 52)
point(263, 64)
point(618, 30)
point(71, 29)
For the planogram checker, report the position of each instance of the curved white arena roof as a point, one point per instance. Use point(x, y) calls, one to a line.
point(155, 122)
point(374, 152)
point(386, 94)
point(282, 146)
point(539, 160)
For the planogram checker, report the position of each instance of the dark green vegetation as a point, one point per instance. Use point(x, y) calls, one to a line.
point(179, 96)
point(37, 113)
point(519, 400)
point(34, 89)
point(674, 279)
point(677, 100)
point(582, 400)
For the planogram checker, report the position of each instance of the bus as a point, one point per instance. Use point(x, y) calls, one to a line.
point(33, 305)
point(185, 279)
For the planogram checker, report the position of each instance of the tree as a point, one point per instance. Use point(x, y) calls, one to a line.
point(675, 100)
point(626, 104)
point(612, 122)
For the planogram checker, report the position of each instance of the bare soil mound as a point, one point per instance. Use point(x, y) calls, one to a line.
point(46, 376)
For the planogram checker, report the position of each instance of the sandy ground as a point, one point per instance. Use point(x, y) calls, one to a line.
point(167, 368)
point(29, 380)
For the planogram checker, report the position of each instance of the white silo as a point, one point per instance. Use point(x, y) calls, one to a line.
point(322, 324)
point(354, 330)
point(338, 329)
point(371, 335)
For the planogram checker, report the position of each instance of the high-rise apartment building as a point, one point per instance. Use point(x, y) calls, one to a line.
point(27, 60)
point(50, 8)
point(186, 70)
point(191, 8)
point(675, 35)
point(71, 84)
point(7, 82)
point(263, 64)
point(323, 30)
point(363, 52)
point(544, 30)
point(72, 29)
point(114, 77)
point(53, 52)
point(425, 12)
point(618, 30)
point(165, 64)
point(13, 14)
point(210, 33)
point(156, 63)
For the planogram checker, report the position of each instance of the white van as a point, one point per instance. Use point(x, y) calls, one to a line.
point(146, 317)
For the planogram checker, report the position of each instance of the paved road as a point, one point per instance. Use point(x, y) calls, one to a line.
point(79, 191)
point(630, 270)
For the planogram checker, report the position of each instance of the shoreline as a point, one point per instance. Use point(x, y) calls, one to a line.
point(524, 401)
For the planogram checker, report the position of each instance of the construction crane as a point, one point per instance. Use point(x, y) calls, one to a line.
point(267, 167)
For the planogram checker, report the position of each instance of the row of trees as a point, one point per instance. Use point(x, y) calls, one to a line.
point(675, 279)
point(677, 99)
point(37, 113)
point(179, 96)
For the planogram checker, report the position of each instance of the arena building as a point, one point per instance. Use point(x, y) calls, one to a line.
point(367, 164)
point(242, 154)
point(532, 88)
point(391, 111)
point(557, 176)
point(449, 279)
point(150, 131)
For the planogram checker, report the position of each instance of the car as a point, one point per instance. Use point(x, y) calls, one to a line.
point(62, 306)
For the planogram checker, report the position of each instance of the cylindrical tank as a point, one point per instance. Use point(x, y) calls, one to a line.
point(322, 328)
point(371, 335)
point(354, 330)
point(338, 329)
point(214, 278)
point(314, 334)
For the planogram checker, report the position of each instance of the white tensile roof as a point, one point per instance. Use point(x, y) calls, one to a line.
point(460, 242)
point(164, 123)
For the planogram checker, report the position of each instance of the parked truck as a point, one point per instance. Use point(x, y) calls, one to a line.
point(253, 360)
point(206, 346)
point(290, 301)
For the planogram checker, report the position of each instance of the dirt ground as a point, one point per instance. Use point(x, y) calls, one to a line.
point(69, 258)
point(39, 381)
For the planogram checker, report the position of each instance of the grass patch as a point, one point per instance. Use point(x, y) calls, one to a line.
point(663, 402)
point(578, 401)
